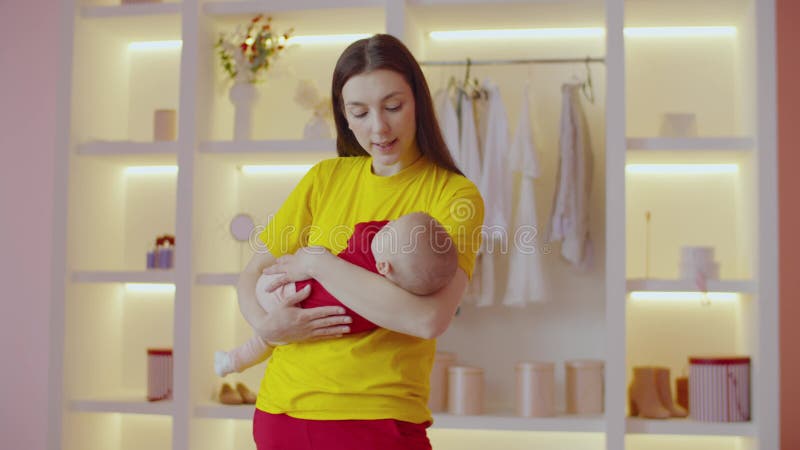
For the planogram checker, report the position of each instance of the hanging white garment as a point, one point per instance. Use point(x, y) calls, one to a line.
point(495, 186)
point(471, 166)
point(525, 276)
point(448, 124)
point(570, 218)
point(468, 144)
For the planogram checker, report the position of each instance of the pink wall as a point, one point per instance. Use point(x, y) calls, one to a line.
point(28, 58)
point(788, 14)
point(28, 69)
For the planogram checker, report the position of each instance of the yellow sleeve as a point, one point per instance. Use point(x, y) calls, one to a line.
point(461, 214)
point(288, 229)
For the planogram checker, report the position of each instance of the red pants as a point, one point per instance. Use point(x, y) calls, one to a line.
point(281, 432)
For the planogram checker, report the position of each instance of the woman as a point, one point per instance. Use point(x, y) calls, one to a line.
point(327, 389)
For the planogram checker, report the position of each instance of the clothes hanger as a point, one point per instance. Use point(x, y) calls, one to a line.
point(586, 86)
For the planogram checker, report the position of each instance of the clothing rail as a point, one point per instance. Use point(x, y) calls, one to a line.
point(498, 62)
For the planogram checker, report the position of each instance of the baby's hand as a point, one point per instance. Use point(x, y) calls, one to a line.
point(300, 266)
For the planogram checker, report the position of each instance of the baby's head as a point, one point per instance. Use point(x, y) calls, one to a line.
point(415, 252)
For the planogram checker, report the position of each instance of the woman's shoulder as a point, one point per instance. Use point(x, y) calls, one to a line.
point(453, 181)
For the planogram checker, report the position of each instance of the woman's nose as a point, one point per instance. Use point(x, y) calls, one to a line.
point(379, 123)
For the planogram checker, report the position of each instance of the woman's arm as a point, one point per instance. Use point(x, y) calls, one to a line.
point(288, 322)
point(373, 296)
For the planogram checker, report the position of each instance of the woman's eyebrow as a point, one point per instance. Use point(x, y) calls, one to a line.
point(388, 96)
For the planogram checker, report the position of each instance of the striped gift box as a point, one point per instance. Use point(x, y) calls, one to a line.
point(159, 374)
point(719, 389)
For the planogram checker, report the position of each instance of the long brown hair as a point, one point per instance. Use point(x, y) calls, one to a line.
point(384, 51)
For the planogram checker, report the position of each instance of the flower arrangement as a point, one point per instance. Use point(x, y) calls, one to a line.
point(307, 95)
point(247, 53)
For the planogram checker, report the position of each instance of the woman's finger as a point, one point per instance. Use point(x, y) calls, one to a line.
point(330, 331)
point(330, 321)
point(319, 312)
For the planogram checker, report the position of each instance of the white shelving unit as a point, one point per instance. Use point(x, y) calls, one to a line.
point(125, 404)
point(689, 427)
point(108, 217)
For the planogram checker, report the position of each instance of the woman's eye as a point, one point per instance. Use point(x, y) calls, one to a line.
point(358, 114)
point(394, 108)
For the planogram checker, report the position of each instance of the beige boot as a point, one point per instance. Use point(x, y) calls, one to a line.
point(643, 395)
point(248, 397)
point(229, 396)
point(665, 392)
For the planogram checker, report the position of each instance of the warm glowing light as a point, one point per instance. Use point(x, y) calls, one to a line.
point(327, 38)
point(523, 33)
point(151, 170)
point(277, 169)
point(516, 33)
point(684, 296)
point(150, 288)
point(685, 169)
point(155, 45)
point(680, 31)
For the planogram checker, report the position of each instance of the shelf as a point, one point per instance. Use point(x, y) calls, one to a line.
point(657, 285)
point(691, 143)
point(577, 423)
point(126, 404)
point(131, 152)
point(271, 146)
point(213, 410)
point(150, 276)
point(129, 10)
point(635, 425)
point(218, 279)
point(255, 7)
point(587, 424)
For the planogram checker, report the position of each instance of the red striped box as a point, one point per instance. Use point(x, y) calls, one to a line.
point(719, 389)
point(159, 374)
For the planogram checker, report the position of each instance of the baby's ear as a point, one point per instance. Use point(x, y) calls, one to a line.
point(384, 267)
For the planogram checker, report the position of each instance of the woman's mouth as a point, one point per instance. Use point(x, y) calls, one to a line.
point(385, 146)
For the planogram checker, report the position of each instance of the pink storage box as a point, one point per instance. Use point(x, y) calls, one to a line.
point(159, 374)
point(719, 389)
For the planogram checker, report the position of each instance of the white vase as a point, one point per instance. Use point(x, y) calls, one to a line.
point(243, 96)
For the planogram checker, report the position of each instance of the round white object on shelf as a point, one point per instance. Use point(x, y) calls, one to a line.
point(241, 227)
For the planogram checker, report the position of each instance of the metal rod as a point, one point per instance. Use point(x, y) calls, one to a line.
point(497, 62)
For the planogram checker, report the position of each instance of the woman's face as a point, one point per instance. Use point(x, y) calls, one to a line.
point(379, 107)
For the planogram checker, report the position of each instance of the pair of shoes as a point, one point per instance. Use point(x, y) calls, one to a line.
point(241, 395)
point(650, 396)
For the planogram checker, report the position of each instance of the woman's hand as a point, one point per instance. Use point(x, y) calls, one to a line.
point(289, 323)
point(297, 267)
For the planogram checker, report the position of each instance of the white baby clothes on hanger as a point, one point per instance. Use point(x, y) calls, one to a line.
point(448, 123)
point(468, 142)
point(525, 276)
point(470, 158)
point(495, 187)
point(570, 217)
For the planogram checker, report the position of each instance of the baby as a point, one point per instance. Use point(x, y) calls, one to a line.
point(413, 251)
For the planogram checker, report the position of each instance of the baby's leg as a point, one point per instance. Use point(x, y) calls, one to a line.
point(247, 355)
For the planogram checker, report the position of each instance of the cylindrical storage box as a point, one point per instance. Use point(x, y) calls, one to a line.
point(437, 401)
point(159, 374)
point(719, 389)
point(536, 389)
point(465, 390)
point(584, 386)
point(165, 125)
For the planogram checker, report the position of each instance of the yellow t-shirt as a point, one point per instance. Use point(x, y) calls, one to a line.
point(379, 374)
